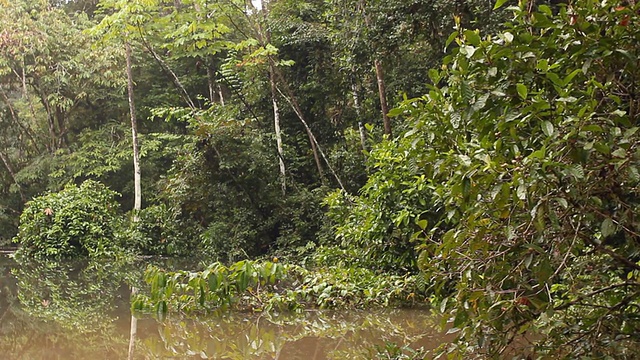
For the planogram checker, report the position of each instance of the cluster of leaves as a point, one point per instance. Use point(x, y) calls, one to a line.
point(349, 287)
point(218, 287)
point(77, 221)
point(517, 179)
point(391, 351)
point(225, 184)
point(266, 285)
point(160, 231)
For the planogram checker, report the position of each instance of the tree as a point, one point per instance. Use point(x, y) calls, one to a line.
point(52, 86)
point(517, 182)
point(134, 136)
point(120, 25)
point(266, 39)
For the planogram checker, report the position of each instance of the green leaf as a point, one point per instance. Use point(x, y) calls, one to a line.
point(521, 192)
point(576, 171)
point(602, 148)
point(450, 39)
point(563, 202)
point(472, 37)
point(627, 54)
point(395, 112)
point(570, 77)
point(543, 65)
point(547, 128)
point(538, 154)
point(522, 91)
point(443, 305)
point(499, 4)
point(434, 75)
point(460, 319)
point(554, 78)
point(593, 128)
point(607, 228)
point(633, 173)
point(545, 9)
point(619, 153)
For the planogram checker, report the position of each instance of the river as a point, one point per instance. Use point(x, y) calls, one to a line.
point(81, 310)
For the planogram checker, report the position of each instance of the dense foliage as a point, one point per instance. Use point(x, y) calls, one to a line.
point(77, 221)
point(502, 184)
point(518, 183)
point(271, 286)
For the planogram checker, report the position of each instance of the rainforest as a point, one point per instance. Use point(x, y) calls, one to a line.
point(380, 172)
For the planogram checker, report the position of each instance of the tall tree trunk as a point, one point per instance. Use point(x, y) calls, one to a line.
point(133, 329)
point(315, 147)
point(361, 129)
point(383, 97)
point(214, 94)
point(210, 83)
point(276, 111)
point(382, 93)
point(215, 89)
point(276, 126)
point(220, 93)
point(137, 203)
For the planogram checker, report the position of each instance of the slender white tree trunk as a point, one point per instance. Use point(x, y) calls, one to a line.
point(358, 107)
point(276, 110)
point(137, 203)
point(133, 330)
point(276, 125)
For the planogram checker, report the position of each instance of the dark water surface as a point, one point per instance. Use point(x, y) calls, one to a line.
point(54, 310)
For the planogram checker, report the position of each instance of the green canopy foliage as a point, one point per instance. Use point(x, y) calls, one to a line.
point(517, 182)
point(77, 221)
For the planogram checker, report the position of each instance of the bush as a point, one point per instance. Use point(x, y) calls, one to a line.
point(519, 178)
point(77, 221)
point(161, 231)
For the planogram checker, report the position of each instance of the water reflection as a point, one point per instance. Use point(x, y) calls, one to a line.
point(56, 310)
point(312, 335)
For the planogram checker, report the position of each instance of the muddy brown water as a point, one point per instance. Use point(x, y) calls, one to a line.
point(53, 310)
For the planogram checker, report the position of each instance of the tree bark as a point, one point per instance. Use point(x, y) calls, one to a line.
point(361, 129)
point(276, 126)
point(137, 204)
point(276, 111)
point(383, 97)
point(133, 329)
point(210, 83)
point(382, 93)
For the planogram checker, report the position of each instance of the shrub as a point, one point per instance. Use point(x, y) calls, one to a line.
point(519, 179)
point(77, 221)
point(161, 231)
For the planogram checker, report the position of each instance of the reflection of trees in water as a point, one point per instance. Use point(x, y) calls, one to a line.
point(313, 335)
point(70, 311)
point(58, 310)
point(75, 295)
